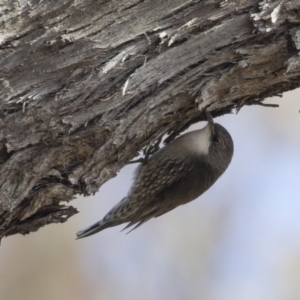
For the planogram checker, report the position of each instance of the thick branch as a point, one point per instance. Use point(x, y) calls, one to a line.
point(85, 85)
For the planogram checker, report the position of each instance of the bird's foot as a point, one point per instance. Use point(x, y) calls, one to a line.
point(148, 151)
point(135, 161)
point(152, 148)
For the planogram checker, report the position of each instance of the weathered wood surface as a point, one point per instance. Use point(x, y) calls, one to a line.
point(84, 85)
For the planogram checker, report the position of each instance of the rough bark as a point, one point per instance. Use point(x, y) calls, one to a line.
point(85, 85)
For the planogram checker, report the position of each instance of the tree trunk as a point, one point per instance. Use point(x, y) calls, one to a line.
point(85, 85)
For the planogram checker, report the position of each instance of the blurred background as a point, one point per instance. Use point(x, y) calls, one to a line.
point(238, 241)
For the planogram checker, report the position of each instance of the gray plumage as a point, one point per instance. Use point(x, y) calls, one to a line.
point(176, 174)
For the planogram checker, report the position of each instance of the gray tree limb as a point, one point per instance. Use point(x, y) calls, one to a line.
point(85, 85)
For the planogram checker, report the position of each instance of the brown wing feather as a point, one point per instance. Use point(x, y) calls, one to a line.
point(173, 176)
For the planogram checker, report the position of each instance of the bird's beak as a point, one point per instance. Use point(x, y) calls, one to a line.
point(211, 123)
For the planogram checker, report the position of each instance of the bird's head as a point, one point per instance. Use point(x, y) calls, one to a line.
point(221, 144)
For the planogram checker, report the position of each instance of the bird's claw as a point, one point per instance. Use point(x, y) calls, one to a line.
point(140, 160)
point(152, 148)
point(148, 151)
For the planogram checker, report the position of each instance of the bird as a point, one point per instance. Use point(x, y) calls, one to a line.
point(176, 174)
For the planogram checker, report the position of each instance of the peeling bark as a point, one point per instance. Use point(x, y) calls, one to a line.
point(85, 85)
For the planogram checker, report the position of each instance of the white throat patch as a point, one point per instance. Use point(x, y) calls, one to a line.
point(202, 140)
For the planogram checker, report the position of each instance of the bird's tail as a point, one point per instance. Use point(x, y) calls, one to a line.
point(100, 225)
point(109, 220)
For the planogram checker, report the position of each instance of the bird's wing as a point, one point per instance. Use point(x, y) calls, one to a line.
point(159, 187)
point(159, 175)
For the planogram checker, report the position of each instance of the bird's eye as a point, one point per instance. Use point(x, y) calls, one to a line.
point(216, 139)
